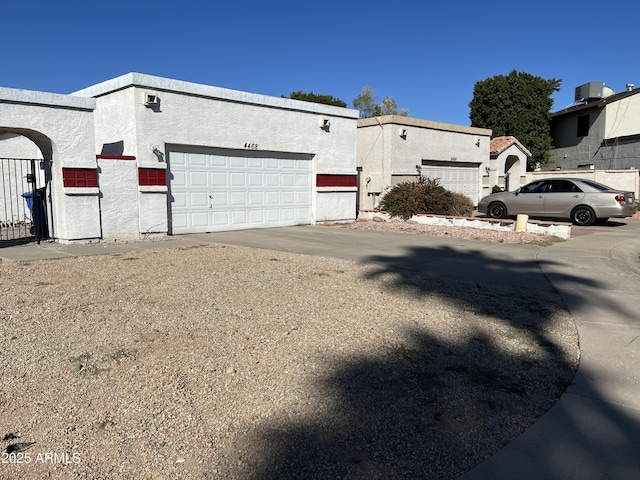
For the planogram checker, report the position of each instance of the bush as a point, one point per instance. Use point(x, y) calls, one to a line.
point(424, 196)
point(462, 206)
point(497, 189)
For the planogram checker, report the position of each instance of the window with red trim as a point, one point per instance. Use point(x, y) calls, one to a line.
point(80, 177)
point(152, 177)
point(323, 180)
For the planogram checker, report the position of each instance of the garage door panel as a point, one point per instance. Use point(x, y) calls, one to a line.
point(271, 179)
point(256, 216)
point(255, 198)
point(227, 190)
point(272, 198)
point(255, 163)
point(196, 160)
point(218, 179)
point(302, 181)
point(198, 200)
point(220, 218)
point(237, 179)
point(272, 215)
point(237, 162)
point(288, 180)
point(179, 179)
point(287, 198)
point(219, 199)
point(199, 219)
point(303, 213)
point(288, 214)
point(255, 180)
point(217, 161)
point(180, 220)
point(239, 217)
point(198, 178)
point(268, 163)
point(180, 199)
point(237, 199)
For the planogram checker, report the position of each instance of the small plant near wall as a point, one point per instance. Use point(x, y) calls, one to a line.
point(426, 195)
point(497, 189)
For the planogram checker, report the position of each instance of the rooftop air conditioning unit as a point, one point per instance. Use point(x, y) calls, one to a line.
point(589, 91)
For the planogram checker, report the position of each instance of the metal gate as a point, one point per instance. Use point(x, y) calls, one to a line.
point(23, 206)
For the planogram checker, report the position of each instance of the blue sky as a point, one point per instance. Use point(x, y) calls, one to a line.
point(425, 55)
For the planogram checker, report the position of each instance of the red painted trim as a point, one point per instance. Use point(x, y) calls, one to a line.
point(152, 177)
point(323, 180)
point(116, 157)
point(80, 177)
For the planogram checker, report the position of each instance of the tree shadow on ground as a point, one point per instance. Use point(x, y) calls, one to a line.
point(423, 406)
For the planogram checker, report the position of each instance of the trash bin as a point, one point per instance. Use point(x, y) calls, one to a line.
point(38, 212)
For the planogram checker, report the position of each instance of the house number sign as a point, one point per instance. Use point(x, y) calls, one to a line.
point(251, 146)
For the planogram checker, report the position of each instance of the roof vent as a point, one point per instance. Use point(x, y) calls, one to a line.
point(630, 86)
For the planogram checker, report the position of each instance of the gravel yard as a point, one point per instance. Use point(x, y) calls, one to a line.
point(223, 362)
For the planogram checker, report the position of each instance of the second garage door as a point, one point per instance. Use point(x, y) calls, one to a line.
point(217, 190)
point(461, 177)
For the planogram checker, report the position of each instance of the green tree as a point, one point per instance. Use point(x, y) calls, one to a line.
point(518, 104)
point(315, 98)
point(367, 103)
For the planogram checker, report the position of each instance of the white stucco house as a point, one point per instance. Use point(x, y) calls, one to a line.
point(393, 149)
point(141, 155)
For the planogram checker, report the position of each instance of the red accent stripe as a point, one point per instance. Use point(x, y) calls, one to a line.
point(323, 180)
point(80, 177)
point(116, 157)
point(152, 177)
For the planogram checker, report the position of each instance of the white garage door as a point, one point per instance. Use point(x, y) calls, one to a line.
point(217, 190)
point(461, 177)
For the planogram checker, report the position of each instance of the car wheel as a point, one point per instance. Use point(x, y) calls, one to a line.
point(583, 216)
point(497, 210)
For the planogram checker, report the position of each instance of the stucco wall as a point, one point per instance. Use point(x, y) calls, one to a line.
point(570, 150)
point(627, 180)
point(119, 205)
point(623, 117)
point(517, 173)
point(62, 128)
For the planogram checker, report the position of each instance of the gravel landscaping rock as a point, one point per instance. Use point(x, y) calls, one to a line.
point(224, 362)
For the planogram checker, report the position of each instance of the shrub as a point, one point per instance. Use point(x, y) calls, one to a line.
point(461, 206)
point(497, 189)
point(426, 195)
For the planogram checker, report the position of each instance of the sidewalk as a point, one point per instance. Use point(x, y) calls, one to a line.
point(593, 431)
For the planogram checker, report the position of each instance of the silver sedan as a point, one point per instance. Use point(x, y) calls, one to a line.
point(581, 200)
